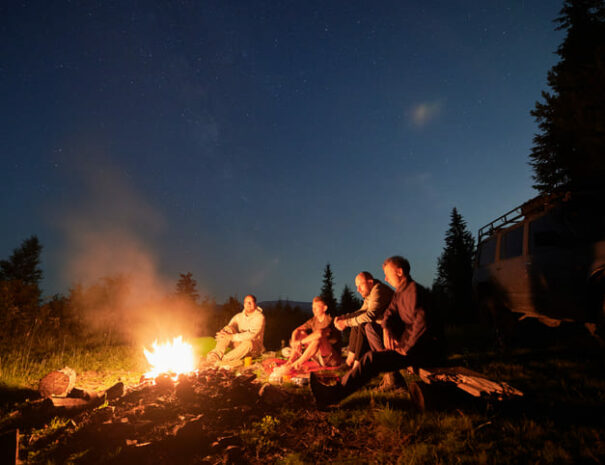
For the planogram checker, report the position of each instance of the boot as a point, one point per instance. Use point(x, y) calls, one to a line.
point(325, 395)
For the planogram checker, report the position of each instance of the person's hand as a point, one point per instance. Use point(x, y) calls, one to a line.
point(340, 324)
point(390, 343)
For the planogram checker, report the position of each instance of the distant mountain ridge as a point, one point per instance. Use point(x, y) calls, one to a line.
point(305, 306)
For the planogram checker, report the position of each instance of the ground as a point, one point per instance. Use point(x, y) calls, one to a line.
point(220, 417)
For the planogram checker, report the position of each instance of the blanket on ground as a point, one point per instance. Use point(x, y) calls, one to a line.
point(271, 364)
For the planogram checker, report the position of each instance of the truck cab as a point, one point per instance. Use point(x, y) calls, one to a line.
point(544, 259)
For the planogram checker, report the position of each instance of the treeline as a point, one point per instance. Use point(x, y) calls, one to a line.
point(112, 310)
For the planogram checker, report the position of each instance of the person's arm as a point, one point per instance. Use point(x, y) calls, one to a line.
point(230, 328)
point(375, 305)
point(254, 328)
point(389, 321)
point(419, 325)
point(295, 339)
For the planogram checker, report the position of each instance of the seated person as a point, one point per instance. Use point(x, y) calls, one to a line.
point(365, 322)
point(411, 331)
point(317, 337)
point(244, 332)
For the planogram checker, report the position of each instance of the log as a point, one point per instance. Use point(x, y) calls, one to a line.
point(9, 447)
point(115, 391)
point(57, 383)
point(73, 403)
point(469, 381)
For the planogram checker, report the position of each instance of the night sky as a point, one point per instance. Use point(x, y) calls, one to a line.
point(250, 143)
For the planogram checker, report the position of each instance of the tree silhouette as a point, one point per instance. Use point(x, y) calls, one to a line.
point(453, 286)
point(24, 264)
point(186, 287)
point(569, 150)
point(327, 290)
point(20, 293)
point(348, 301)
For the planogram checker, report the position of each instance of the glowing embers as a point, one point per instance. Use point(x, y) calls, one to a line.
point(174, 358)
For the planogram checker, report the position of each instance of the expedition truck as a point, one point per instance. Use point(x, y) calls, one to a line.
point(544, 259)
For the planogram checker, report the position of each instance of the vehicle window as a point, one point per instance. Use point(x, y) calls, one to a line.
point(545, 231)
point(511, 244)
point(487, 252)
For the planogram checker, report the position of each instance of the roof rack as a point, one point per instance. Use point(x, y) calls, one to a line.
point(515, 216)
point(512, 217)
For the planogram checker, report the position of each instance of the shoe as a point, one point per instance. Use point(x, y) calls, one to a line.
point(324, 395)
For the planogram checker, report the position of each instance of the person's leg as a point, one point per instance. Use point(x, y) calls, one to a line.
point(358, 345)
point(375, 339)
point(222, 342)
point(353, 342)
point(371, 365)
point(374, 334)
point(240, 350)
point(330, 354)
point(309, 352)
point(296, 353)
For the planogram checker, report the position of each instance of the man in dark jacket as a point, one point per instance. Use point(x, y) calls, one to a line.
point(411, 336)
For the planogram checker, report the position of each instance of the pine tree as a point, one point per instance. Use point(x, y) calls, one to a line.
point(327, 290)
point(569, 150)
point(20, 293)
point(455, 272)
point(186, 287)
point(24, 264)
point(348, 301)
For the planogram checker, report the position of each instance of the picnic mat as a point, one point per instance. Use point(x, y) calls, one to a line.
point(270, 364)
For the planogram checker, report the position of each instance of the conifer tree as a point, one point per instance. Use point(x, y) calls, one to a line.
point(569, 150)
point(24, 264)
point(348, 301)
point(186, 287)
point(20, 293)
point(455, 272)
point(327, 290)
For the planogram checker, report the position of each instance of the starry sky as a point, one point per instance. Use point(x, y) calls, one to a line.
point(252, 142)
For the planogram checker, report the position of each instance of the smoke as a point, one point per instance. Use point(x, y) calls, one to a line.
point(111, 261)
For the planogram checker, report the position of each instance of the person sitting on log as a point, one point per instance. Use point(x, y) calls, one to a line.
point(411, 331)
point(244, 333)
point(315, 339)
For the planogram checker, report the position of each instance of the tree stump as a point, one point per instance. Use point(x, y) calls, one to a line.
point(58, 383)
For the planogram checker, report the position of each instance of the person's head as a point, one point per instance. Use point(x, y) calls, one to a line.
point(364, 282)
point(396, 270)
point(319, 306)
point(249, 303)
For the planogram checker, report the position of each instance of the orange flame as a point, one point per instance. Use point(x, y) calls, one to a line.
point(170, 357)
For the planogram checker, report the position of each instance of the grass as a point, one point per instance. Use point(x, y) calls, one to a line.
point(559, 419)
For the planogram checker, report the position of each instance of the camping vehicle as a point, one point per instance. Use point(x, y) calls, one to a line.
point(544, 259)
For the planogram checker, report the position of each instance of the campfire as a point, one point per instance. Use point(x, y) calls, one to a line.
point(174, 358)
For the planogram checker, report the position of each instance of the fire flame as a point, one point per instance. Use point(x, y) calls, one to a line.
point(170, 357)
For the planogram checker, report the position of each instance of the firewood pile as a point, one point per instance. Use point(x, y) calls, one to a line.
point(192, 420)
